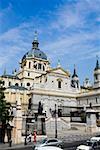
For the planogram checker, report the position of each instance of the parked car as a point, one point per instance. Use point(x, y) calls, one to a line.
point(90, 145)
point(49, 148)
point(50, 142)
point(95, 138)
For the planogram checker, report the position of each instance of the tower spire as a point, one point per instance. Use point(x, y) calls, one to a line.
point(5, 72)
point(35, 42)
point(74, 73)
point(58, 64)
point(97, 63)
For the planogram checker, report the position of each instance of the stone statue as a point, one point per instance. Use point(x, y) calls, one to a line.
point(40, 108)
point(90, 105)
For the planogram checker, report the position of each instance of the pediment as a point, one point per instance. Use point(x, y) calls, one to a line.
point(59, 71)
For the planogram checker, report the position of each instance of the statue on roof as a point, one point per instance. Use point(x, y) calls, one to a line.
point(40, 108)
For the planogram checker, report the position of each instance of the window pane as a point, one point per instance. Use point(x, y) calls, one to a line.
point(39, 66)
point(59, 84)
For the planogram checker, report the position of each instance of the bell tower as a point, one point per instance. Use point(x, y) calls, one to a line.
point(75, 80)
point(97, 74)
point(33, 64)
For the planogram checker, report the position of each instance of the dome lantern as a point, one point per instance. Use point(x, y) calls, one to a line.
point(35, 43)
point(35, 52)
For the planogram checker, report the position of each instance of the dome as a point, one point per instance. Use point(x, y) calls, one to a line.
point(35, 53)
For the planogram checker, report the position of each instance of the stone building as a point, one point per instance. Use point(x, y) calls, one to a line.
point(38, 81)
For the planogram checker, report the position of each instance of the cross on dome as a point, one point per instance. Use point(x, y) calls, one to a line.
point(58, 64)
point(35, 36)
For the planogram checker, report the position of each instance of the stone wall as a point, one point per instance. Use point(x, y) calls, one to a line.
point(63, 124)
point(79, 126)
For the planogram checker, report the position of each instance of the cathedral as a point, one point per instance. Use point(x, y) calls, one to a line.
point(36, 81)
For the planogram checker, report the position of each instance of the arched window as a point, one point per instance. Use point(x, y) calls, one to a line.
point(28, 84)
point(96, 100)
point(29, 103)
point(96, 76)
point(29, 64)
point(28, 74)
point(39, 66)
point(9, 83)
point(46, 79)
point(87, 101)
point(59, 84)
point(35, 66)
point(16, 84)
point(3, 82)
point(43, 68)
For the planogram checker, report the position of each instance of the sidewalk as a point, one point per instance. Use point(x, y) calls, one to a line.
point(15, 146)
point(69, 136)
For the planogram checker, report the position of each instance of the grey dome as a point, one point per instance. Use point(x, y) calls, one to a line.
point(35, 53)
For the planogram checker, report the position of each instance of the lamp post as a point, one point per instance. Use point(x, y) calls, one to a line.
point(27, 115)
point(25, 142)
point(55, 122)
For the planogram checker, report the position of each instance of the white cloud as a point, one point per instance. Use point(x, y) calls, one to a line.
point(4, 11)
point(70, 30)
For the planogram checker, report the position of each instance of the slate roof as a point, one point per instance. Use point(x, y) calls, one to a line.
point(21, 88)
point(35, 53)
point(10, 76)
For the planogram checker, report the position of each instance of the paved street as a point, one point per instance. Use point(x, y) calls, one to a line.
point(16, 147)
point(67, 146)
point(71, 140)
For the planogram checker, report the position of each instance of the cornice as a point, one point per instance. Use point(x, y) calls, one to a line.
point(90, 93)
point(53, 93)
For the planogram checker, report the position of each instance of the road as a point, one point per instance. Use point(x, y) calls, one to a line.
point(72, 145)
point(71, 141)
point(67, 146)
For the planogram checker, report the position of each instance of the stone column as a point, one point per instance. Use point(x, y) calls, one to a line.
point(91, 121)
point(18, 122)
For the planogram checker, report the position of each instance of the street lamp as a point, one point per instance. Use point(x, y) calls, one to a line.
point(55, 122)
point(27, 115)
point(25, 143)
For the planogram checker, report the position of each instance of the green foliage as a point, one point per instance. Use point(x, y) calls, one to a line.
point(4, 106)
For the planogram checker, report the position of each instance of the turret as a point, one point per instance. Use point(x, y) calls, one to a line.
point(87, 83)
point(97, 75)
point(75, 80)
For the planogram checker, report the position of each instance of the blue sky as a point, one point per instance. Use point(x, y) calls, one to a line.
point(68, 30)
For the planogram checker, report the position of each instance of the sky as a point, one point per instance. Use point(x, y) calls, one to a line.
point(68, 30)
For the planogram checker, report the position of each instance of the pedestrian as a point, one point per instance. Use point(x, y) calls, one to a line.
point(34, 136)
point(29, 137)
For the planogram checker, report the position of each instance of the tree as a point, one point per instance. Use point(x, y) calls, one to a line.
point(4, 112)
